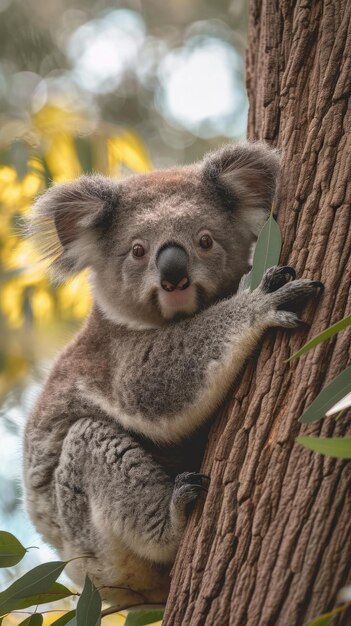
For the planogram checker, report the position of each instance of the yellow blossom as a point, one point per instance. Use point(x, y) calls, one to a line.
point(24, 285)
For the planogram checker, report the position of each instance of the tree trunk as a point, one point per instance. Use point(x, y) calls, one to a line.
point(272, 546)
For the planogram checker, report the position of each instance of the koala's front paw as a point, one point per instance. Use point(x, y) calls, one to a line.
point(188, 486)
point(281, 289)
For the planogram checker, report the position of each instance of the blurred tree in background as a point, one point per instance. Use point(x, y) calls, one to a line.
point(114, 87)
point(101, 86)
point(171, 70)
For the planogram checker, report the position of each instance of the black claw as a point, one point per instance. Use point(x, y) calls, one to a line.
point(303, 324)
point(199, 488)
point(318, 284)
point(204, 476)
point(193, 480)
point(287, 269)
point(277, 277)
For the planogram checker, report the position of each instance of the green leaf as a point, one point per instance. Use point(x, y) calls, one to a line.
point(340, 407)
point(19, 155)
point(143, 616)
point(5, 157)
point(9, 274)
point(33, 620)
point(326, 618)
point(330, 395)
point(267, 251)
point(322, 620)
point(89, 605)
point(338, 447)
point(35, 582)
point(11, 550)
point(56, 592)
point(84, 153)
point(325, 334)
point(64, 619)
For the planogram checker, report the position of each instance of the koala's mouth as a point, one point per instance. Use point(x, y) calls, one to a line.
point(171, 303)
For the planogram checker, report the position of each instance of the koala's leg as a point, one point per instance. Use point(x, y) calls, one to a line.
point(108, 486)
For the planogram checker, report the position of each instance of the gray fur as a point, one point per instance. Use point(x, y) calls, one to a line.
point(108, 467)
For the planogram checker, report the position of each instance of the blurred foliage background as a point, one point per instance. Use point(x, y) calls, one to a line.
point(114, 87)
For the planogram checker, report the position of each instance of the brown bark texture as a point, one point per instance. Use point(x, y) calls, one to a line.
point(272, 545)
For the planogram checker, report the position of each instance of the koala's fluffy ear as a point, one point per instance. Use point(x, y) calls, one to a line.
point(245, 176)
point(69, 218)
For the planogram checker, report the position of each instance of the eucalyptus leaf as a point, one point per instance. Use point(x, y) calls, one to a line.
point(84, 152)
point(328, 397)
point(338, 447)
point(322, 620)
point(56, 592)
point(267, 251)
point(35, 582)
point(65, 619)
point(33, 620)
point(325, 334)
point(142, 617)
point(341, 406)
point(10, 274)
point(19, 156)
point(5, 158)
point(326, 618)
point(11, 550)
point(89, 605)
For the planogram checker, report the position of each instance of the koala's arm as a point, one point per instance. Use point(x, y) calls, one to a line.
point(168, 381)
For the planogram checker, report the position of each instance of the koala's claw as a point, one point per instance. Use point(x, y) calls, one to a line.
point(277, 281)
point(296, 290)
point(192, 479)
point(203, 476)
point(318, 284)
point(275, 277)
point(304, 325)
point(279, 289)
point(187, 487)
point(287, 319)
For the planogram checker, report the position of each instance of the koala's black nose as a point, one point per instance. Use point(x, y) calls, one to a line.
point(172, 262)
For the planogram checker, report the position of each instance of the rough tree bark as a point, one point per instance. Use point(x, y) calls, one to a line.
point(272, 546)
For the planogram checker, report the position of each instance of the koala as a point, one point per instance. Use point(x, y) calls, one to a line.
point(111, 459)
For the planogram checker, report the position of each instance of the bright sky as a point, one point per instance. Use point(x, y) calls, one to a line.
point(103, 49)
point(200, 84)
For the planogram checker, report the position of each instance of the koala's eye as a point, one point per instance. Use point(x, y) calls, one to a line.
point(206, 242)
point(138, 250)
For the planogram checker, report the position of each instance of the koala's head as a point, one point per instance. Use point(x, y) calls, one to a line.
point(165, 244)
